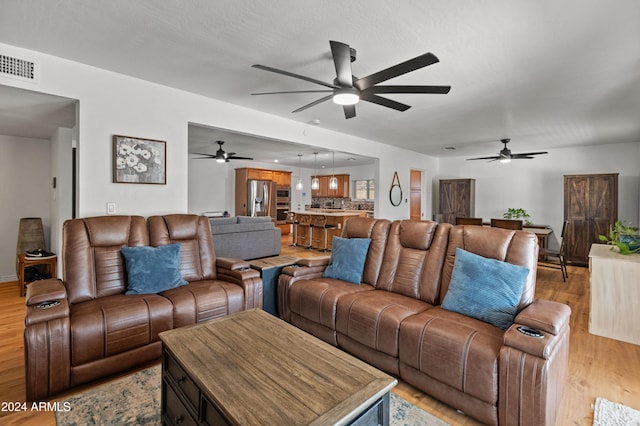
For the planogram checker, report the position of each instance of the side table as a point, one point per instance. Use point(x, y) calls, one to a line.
point(24, 262)
point(270, 268)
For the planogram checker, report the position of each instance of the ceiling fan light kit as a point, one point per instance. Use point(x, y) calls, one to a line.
point(347, 90)
point(346, 97)
point(221, 156)
point(505, 156)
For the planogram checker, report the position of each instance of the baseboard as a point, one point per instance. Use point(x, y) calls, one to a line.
point(8, 278)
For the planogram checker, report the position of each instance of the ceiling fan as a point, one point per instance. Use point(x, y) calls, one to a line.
point(221, 156)
point(505, 155)
point(347, 90)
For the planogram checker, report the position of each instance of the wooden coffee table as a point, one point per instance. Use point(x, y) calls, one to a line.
point(252, 368)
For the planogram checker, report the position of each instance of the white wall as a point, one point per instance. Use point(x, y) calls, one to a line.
point(25, 188)
point(112, 103)
point(538, 185)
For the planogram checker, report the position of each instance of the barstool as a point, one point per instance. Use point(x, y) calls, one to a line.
point(321, 223)
point(305, 220)
point(291, 219)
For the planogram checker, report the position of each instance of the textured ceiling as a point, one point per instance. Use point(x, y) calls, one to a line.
point(546, 74)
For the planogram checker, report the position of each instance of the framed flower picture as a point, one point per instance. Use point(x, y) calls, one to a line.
point(138, 160)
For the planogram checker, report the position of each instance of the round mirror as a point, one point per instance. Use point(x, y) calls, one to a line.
point(395, 195)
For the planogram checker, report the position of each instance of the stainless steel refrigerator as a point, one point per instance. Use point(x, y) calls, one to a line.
point(261, 199)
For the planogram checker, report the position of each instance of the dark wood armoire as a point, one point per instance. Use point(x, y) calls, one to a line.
point(590, 206)
point(457, 199)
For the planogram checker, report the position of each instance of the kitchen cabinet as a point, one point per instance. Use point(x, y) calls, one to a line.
point(282, 178)
point(590, 207)
point(325, 192)
point(245, 174)
point(457, 199)
point(259, 174)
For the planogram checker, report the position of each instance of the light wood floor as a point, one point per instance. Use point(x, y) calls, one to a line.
point(597, 366)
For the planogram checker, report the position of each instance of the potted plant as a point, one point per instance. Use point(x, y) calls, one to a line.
point(516, 214)
point(623, 238)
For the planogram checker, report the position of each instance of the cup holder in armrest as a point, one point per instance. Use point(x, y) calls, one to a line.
point(531, 332)
point(48, 304)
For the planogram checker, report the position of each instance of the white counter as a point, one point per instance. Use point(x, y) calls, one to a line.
point(615, 294)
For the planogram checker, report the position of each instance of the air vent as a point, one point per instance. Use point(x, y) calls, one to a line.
point(21, 69)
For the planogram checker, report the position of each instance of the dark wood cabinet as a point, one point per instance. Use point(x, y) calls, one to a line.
point(457, 199)
point(590, 206)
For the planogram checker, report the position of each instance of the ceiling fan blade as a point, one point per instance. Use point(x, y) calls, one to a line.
point(409, 89)
point(238, 158)
point(290, 74)
point(385, 102)
point(342, 61)
point(485, 158)
point(314, 103)
point(349, 111)
point(396, 70)
point(527, 154)
point(293, 91)
point(205, 155)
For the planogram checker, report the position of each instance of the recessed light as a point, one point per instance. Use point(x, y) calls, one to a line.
point(315, 122)
point(275, 161)
point(351, 159)
point(449, 148)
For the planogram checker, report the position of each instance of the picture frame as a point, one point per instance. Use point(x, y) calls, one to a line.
point(138, 160)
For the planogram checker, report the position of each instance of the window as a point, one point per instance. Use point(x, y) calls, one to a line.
point(364, 189)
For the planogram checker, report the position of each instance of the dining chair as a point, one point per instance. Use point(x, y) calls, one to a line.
point(506, 224)
point(555, 258)
point(469, 221)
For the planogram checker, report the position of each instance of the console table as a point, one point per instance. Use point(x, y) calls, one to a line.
point(270, 268)
point(615, 294)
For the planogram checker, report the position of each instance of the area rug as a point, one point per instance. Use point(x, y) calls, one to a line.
point(135, 400)
point(607, 413)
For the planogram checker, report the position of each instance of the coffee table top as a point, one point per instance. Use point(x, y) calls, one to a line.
point(261, 370)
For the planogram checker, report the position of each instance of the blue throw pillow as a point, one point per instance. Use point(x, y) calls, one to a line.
point(347, 259)
point(485, 289)
point(152, 269)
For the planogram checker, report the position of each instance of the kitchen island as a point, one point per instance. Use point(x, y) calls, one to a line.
point(335, 219)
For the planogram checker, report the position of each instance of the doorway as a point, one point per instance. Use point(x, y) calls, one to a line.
point(415, 195)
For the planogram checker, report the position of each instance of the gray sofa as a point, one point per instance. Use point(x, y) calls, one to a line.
point(245, 237)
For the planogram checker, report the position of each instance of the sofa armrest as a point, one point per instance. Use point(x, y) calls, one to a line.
point(46, 300)
point(238, 272)
point(47, 339)
point(534, 367)
point(305, 269)
point(549, 318)
point(44, 291)
point(231, 263)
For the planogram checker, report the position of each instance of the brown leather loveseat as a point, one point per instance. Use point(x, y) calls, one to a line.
point(86, 327)
point(394, 319)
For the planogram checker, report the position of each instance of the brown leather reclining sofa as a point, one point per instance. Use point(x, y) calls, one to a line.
point(95, 329)
point(393, 319)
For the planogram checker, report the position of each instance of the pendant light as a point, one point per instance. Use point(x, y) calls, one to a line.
point(333, 182)
point(299, 185)
point(315, 182)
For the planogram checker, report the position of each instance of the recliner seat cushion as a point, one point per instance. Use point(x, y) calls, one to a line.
point(454, 349)
point(204, 300)
point(373, 318)
point(111, 325)
point(317, 299)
